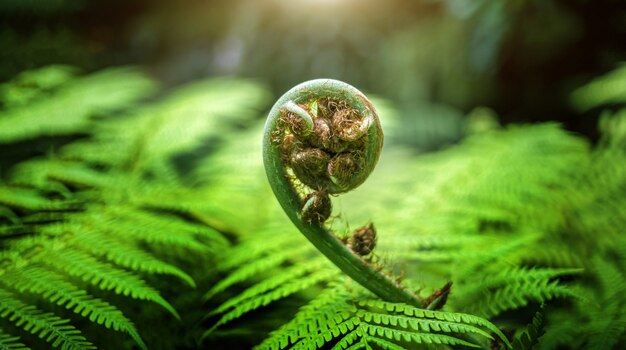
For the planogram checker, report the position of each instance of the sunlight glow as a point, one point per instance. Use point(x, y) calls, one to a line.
point(313, 3)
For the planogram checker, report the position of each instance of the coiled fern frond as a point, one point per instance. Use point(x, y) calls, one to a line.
point(491, 214)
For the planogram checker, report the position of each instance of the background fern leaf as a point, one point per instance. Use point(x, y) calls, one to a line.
point(104, 276)
point(127, 255)
point(607, 89)
point(53, 287)
point(527, 339)
point(511, 288)
point(608, 322)
point(298, 278)
point(45, 325)
point(26, 199)
point(179, 123)
point(10, 343)
point(249, 261)
point(93, 94)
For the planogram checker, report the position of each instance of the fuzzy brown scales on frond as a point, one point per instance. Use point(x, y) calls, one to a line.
point(363, 240)
point(330, 154)
point(317, 207)
point(326, 155)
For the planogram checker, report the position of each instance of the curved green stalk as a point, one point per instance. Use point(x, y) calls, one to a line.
point(359, 148)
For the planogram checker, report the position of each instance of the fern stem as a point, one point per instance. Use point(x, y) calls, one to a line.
point(294, 104)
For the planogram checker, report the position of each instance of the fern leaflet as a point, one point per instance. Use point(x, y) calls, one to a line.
point(53, 287)
point(334, 317)
point(55, 330)
point(10, 343)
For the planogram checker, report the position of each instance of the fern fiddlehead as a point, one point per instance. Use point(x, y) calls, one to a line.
point(323, 138)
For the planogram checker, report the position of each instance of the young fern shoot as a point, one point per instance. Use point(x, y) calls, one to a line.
point(323, 138)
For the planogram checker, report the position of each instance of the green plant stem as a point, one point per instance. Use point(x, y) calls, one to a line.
point(323, 239)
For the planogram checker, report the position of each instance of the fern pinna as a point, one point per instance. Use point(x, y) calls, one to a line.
point(103, 213)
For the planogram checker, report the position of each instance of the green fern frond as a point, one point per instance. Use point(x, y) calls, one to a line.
point(53, 287)
point(36, 83)
point(151, 228)
point(180, 123)
point(600, 217)
point(260, 265)
point(608, 322)
point(295, 278)
point(275, 263)
point(53, 329)
point(265, 255)
point(38, 173)
point(8, 342)
point(28, 199)
point(272, 247)
point(435, 315)
point(274, 238)
point(597, 322)
point(291, 280)
point(199, 111)
point(120, 243)
point(327, 309)
point(527, 339)
point(102, 275)
point(126, 255)
point(551, 253)
point(9, 215)
point(514, 288)
point(427, 325)
point(279, 293)
point(609, 88)
point(490, 197)
point(613, 128)
point(517, 275)
point(333, 317)
point(413, 337)
point(96, 93)
point(561, 329)
point(428, 248)
point(234, 174)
